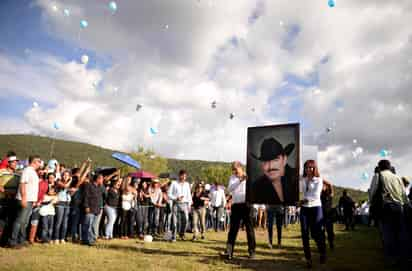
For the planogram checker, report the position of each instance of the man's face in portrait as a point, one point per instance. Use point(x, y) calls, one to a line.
point(274, 169)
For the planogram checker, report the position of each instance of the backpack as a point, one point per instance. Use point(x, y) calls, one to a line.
point(376, 204)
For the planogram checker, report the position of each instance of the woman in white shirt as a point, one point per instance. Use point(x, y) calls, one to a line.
point(311, 215)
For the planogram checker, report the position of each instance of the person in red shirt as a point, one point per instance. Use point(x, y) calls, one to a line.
point(4, 163)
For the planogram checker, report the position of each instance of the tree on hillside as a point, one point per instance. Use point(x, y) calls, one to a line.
point(148, 160)
point(219, 174)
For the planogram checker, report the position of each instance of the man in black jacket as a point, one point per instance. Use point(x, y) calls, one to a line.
point(92, 196)
point(279, 182)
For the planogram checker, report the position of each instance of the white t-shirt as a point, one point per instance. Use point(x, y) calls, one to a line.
point(237, 189)
point(31, 179)
point(218, 198)
point(127, 201)
point(311, 191)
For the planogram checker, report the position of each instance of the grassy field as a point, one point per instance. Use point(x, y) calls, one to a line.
point(358, 250)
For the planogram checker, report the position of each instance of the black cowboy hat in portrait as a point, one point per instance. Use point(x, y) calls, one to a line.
point(271, 149)
point(262, 188)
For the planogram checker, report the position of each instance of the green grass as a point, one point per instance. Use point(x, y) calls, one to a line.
point(358, 250)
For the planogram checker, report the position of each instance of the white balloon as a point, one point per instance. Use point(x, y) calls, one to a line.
point(85, 59)
point(35, 104)
point(355, 141)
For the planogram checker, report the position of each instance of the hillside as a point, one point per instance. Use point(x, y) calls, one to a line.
point(73, 153)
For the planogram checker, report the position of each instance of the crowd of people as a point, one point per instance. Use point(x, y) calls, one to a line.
point(52, 204)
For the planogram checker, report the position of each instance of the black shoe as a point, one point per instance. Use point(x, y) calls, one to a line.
point(182, 236)
point(322, 259)
point(331, 246)
point(252, 255)
point(309, 263)
point(228, 253)
point(202, 237)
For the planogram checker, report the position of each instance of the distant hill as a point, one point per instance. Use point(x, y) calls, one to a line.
point(73, 153)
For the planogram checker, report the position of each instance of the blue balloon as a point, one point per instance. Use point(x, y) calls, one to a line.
point(331, 3)
point(383, 153)
point(52, 164)
point(153, 131)
point(113, 6)
point(66, 12)
point(84, 24)
point(365, 176)
point(56, 126)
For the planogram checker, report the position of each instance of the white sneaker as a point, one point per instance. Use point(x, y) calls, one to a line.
point(55, 242)
point(62, 242)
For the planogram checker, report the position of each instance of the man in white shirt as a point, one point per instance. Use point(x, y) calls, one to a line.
point(240, 212)
point(180, 195)
point(217, 202)
point(26, 195)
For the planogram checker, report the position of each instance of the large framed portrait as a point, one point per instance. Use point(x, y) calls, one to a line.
point(273, 164)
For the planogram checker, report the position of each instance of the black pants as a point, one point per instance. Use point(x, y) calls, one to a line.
point(349, 221)
point(241, 212)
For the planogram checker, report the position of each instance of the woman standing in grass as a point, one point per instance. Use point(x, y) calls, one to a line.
point(311, 215)
point(112, 203)
point(62, 208)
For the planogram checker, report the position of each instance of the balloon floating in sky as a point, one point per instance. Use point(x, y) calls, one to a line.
point(66, 12)
point(153, 131)
point(56, 126)
point(52, 164)
point(84, 24)
point(253, 109)
point(167, 26)
point(355, 141)
point(115, 89)
point(358, 151)
point(113, 6)
point(231, 116)
point(331, 3)
point(365, 176)
point(95, 84)
point(55, 8)
point(138, 107)
point(328, 130)
point(383, 153)
point(84, 59)
point(35, 104)
point(213, 104)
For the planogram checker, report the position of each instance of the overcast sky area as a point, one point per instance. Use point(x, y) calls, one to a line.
point(343, 73)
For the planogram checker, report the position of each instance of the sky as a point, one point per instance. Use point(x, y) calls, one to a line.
point(343, 73)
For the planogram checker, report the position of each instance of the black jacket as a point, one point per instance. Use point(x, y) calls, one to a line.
point(262, 191)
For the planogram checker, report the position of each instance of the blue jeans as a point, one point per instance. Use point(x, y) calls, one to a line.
point(180, 218)
point(75, 221)
point(396, 239)
point(47, 228)
point(18, 235)
point(218, 214)
point(111, 213)
point(35, 216)
point(311, 220)
point(87, 234)
point(142, 219)
point(154, 213)
point(96, 225)
point(62, 219)
point(275, 213)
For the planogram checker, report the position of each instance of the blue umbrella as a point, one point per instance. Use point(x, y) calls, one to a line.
point(126, 159)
